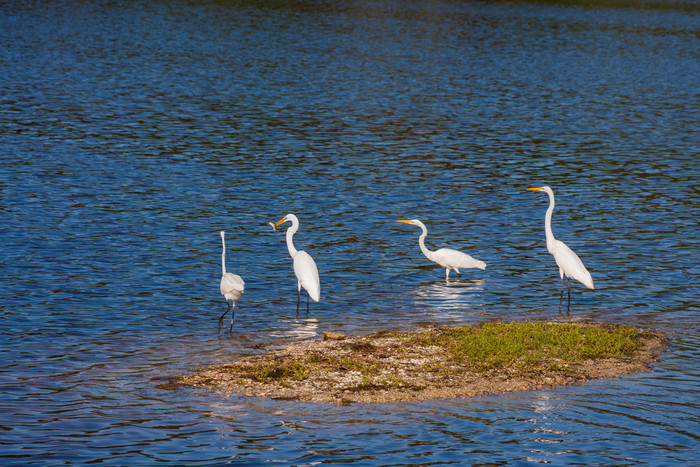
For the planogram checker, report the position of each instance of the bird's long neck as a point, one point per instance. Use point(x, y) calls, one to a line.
point(290, 244)
point(421, 242)
point(548, 223)
point(223, 257)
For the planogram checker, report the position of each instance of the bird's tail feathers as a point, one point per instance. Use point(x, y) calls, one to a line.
point(315, 295)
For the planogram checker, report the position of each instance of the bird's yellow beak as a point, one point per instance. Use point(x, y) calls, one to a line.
point(284, 219)
point(539, 188)
point(405, 222)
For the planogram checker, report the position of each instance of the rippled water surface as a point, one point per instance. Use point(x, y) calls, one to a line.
point(132, 132)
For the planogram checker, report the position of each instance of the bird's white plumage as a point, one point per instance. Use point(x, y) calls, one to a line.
point(570, 265)
point(231, 285)
point(446, 257)
point(453, 259)
point(304, 265)
point(307, 274)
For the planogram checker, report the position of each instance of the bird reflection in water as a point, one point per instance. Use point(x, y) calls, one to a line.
point(451, 298)
point(303, 329)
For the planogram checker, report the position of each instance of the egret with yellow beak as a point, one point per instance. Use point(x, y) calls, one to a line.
point(570, 265)
point(304, 265)
point(445, 257)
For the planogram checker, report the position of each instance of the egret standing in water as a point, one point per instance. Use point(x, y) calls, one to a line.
point(570, 265)
point(445, 257)
point(304, 265)
point(231, 285)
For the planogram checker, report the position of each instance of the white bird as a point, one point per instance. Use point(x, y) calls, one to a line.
point(304, 265)
point(231, 286)
point(445, 257)
point(570, 265)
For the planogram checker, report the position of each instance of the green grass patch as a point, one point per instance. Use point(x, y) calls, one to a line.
point(268, 371)
point(530, 345)
point(517, 348)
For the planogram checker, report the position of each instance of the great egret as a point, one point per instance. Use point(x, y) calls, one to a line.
point(231, 286)
point(304, 265)
point(570, 265)
point(445, 257)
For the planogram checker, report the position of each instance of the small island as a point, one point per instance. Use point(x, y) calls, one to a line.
point(436, 362)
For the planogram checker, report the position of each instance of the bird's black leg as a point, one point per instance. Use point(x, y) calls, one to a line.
point(561, 293)
point(568, 287)
point(307, 304)
point(232, 311)
point(221, 318)
point(298, 301)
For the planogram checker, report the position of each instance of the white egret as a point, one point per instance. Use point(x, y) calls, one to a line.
point(304, 265)
point(232, 285)
point(445, 257)
point(570, 265)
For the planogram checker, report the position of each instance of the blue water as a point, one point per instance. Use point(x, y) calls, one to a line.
point(131, 133)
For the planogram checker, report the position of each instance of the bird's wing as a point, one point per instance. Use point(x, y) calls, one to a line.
point(231, 283)
point(307, 274)
point(571, 264)
point(447, 257)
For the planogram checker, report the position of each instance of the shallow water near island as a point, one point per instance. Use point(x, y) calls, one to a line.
point(132, 133)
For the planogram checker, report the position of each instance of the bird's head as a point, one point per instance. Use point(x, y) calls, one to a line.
point(412, 222)
point(288, 218)
point(222, 234)
point(545, 188)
